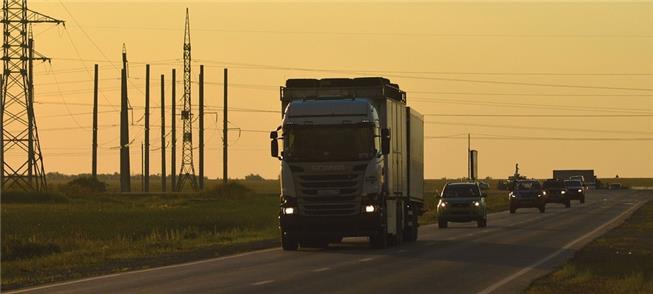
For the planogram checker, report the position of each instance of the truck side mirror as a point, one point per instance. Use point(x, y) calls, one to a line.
point(274, 148)
point(274, 135)
point(385, 141)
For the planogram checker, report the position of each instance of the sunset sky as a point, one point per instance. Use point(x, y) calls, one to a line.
point(580, 71)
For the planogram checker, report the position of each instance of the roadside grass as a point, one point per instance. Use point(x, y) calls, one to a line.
point(621, 261)
point(46, 242)
point(630, 182)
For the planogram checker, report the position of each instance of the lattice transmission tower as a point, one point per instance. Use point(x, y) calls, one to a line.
point(22, 160)
point(187, 170)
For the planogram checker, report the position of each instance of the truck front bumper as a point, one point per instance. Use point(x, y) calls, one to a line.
point(301, 226)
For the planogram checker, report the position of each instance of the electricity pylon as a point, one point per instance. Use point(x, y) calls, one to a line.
point(22, 160)
point(187, 171)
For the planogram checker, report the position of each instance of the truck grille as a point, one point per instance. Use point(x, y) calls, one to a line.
point(329, 194)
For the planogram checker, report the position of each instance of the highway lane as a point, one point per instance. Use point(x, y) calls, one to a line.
point(502, 258)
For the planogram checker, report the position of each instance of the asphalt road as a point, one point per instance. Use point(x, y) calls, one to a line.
point(502, 258)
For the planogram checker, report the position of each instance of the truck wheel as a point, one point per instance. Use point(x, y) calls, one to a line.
point(380, 239)
point(316, 243)
point(542, 209)
point(288, 243)
point(442, 224)
point(513, 209)
point(568, 203)
point(482, 223)
point(582, 200)
point(411, 234)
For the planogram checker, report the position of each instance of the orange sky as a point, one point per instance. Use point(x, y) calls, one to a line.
point(448, 56)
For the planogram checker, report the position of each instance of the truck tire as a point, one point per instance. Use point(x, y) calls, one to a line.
point(513, 209)
point(380, 239)
point(542, 208)
point(314, 243)
point(582, 199)
point(442, 224)
point(568, 203)
point(288, 243)
point(398, 237)
point(482, 223)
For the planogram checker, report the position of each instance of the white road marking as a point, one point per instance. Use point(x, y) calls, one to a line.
point(145, 270)
point(508, 279)
point(322, 269)
point(366, 259)
point(262, 283)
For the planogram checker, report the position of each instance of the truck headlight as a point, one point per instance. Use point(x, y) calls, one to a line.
point(477, 204)
point(563, 192)
point(443, 204)
point(288, 210)
point(539, 195)
point(370, 208)
point(580, 190)
point(543, 192)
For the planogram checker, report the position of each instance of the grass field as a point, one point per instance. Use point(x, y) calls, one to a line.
point(621, 261)
point(44, 242)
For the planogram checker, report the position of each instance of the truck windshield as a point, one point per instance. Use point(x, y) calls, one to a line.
point(461, 191)
point(329, 143)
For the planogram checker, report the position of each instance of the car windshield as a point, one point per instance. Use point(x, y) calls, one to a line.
point(528, 186)
point(573, 183)
point(329, 143)
point(461, 191)
point(554, 184)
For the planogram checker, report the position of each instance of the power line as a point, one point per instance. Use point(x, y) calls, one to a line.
point(537, 128)
point(526, 138)
point(383, 34)
point(539, 115)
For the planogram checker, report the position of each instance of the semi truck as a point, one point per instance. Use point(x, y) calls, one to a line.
point(352, 162)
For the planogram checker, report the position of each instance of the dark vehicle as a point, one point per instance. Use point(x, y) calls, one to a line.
point(575, 190)
point(556, 192)
point(462, 202)
point(527, 194)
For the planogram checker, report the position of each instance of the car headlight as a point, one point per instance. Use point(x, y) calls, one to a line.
point(543, 192)
point(442, 204)
point(563, 192)
point(580, 190)
point(539, 195)
point(288, 210)
point(513, 196)
point(477, 204)
point(370, 208)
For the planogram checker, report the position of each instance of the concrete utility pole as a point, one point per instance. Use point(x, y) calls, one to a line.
point(187, 170)
point(125, 174)
point(173, 134)
point(163, 135)
point(225, 130)
point(201, 137)
point(146, 152)
point(95, 109)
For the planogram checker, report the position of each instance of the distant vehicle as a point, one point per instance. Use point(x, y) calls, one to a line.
point(527, 194)
point(462, 202)
point(556, 192)
point(615, 186)
point(575, 190)
point(588, 177)
point(352, 162)
point(581, 179)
